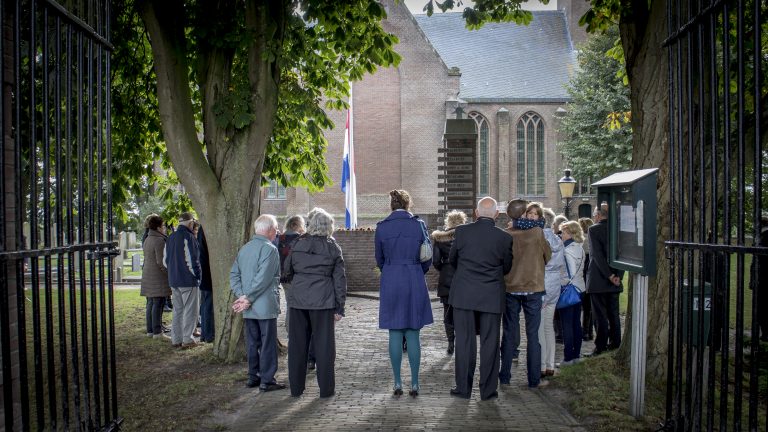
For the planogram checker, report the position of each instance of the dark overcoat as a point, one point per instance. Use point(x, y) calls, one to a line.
point(599, 273)
point(482, 255)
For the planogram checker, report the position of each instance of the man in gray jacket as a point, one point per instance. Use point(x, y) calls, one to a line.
point(255, 278)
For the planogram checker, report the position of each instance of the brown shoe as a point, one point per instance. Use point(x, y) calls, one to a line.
point(189, 345)
point(176, 345)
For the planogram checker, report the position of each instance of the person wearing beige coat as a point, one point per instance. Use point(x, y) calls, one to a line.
point(154, 276)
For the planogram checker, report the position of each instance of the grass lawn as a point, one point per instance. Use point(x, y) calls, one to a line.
point(596, 391)
point(159, 388)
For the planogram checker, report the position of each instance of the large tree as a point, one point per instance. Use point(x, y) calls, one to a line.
point(597, 135)
point(241, 89)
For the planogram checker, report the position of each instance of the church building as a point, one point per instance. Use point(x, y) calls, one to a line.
point(510, 79)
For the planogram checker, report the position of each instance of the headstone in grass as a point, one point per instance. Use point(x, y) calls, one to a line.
point(136, 263)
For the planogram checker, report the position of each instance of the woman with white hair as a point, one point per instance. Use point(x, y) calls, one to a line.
point(441, 246)
point(316, 297)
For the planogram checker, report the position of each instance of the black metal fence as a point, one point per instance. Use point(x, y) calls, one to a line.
point(717, 371)
point(56, 308)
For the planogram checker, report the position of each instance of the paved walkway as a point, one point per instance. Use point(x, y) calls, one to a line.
point(364, 399)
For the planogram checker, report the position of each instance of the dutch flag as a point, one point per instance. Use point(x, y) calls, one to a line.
point(348, 172)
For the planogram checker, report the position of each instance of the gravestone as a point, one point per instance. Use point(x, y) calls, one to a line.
point(136, 262)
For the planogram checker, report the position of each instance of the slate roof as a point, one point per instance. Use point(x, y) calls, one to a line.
point(505, 61)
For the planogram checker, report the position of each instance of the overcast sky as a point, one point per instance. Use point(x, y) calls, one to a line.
point(417, 6)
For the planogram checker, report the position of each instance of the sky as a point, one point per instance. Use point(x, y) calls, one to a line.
point(417, 6)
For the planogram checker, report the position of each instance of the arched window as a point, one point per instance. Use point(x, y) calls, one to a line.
point(482, 153)
point(530, 154)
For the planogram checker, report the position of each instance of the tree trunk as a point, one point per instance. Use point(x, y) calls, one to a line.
point(225, 188)
point(642, 34)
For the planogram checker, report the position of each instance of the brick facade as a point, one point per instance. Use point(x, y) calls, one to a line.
point(399, 119)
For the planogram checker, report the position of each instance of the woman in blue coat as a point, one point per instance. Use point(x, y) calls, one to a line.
point(404, 307)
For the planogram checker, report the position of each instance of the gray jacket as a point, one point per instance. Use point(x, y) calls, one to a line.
point(315, 270)
point(154, 276)
point(553, 268)
point(256, 274)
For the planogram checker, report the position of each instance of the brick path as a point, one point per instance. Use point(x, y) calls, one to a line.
point(364, 400)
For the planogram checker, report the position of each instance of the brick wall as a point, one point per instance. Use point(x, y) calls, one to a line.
point(360, 261)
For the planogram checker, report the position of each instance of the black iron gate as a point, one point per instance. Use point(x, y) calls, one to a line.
point(717, 370)
point(56, 307)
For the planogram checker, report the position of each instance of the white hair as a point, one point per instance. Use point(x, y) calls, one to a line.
point(264, 223)
point(321, 223)
point(486, 207)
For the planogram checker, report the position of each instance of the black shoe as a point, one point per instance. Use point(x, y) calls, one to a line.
point(451, 347)
point(310, 365)
point(456, 393)
point(253, 383)
point(397, 391)
point(494, 395)
point(413, 392)
point(271, 387)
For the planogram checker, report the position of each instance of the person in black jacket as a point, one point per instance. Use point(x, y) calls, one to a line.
point(315, 298)
point(206, 290)
point(441, 248)
point(759, 272)
point(603, 286)
point(482, 255)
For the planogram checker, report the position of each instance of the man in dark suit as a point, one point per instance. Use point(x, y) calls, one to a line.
point(482, 255)
point(603, 285)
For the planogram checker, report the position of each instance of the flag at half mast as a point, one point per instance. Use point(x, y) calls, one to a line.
point(348, 185)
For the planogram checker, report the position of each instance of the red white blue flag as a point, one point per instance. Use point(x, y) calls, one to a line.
point(348, 171)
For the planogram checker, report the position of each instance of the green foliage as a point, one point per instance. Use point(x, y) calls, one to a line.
point(483, 11)
point(598, 136)
point(327, 45)
point(341, 43)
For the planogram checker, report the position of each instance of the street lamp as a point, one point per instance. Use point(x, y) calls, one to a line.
point(567, 184)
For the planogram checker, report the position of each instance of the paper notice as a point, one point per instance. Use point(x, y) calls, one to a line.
point(627, 219)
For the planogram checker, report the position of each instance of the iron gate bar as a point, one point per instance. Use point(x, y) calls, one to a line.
point(82, 25)
point(20, 305)
point(29, 253)
point(5, 326)
point(738, 354)
point(694, 21)
point(713, 103)
point(757, 207)
point(60, 237)
point(46, 147)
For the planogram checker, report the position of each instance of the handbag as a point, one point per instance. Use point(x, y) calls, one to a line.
point(425, 251)
point(569, 293)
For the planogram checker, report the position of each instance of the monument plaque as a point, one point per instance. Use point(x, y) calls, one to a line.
point(458, 166)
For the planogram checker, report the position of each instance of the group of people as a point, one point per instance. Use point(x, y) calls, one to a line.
point(177, 266)
point(487, 276)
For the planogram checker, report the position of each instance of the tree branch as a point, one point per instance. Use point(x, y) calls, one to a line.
point(164, 22)
point(215, 61)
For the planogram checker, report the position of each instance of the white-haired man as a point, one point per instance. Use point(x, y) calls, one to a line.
point(482, 255)
point(255, 279)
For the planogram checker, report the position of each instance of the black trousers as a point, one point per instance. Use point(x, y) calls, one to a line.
point(605, 309)
point(317, 325)
point(466, 323)
point(154, 315)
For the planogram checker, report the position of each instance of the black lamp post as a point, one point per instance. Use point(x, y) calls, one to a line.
point(567, 184)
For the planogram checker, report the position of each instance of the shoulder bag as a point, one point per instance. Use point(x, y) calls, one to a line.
point(569, 293)
point(425, 251)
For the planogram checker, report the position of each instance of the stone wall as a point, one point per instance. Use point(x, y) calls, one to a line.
point(360, 261)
